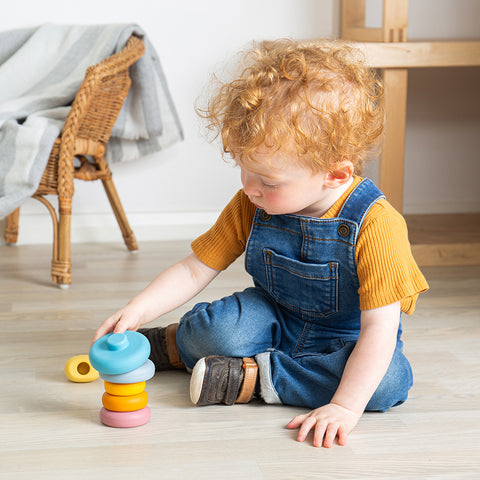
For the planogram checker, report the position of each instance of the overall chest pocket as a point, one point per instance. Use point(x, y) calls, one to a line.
point(306, 288)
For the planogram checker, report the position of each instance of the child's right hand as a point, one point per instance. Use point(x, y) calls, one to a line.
point(127, 318)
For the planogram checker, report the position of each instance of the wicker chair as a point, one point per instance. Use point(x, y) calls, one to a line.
point(86, 131)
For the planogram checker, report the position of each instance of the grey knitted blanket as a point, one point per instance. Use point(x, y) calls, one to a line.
point(41, 70)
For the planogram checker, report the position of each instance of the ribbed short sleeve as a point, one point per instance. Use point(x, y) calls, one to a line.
point(226, 240)
point(386, 268)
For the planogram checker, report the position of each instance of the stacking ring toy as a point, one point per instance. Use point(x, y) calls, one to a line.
point(124, 389)
point(142, 373)
point(125, 419)
point(78, 369)
point(117, 353)
point(125, 404)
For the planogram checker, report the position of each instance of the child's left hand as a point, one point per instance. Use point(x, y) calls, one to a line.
point(329, 421)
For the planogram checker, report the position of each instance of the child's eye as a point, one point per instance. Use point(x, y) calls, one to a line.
point(269, 186)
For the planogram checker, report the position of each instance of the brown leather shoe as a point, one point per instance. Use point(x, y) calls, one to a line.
point(163, 343)
point(227, 380)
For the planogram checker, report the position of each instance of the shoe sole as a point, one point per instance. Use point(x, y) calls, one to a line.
point(196, 381)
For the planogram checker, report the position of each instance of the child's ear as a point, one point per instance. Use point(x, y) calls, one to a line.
point(340, 175)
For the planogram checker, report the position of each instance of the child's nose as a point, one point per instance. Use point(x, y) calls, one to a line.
point(250, 185)
point(251, 189)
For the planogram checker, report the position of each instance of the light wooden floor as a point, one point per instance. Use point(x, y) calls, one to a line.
point(49, 427)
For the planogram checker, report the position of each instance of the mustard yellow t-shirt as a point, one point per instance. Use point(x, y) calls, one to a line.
point(386, 269)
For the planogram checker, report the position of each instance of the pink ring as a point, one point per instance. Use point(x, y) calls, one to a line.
point(125, 419)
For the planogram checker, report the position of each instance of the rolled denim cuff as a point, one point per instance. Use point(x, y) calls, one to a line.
point(267, 390)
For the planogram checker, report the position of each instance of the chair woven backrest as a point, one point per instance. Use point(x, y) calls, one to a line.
point(92, 115)
point(101, 95)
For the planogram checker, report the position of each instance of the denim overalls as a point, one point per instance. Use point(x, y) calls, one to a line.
point(302, 318)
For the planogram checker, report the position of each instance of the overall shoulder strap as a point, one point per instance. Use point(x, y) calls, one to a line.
point(360, 200)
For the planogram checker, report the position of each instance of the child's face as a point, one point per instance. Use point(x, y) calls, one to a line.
point(278, 184)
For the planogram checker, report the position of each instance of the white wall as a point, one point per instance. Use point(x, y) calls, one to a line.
point(178, 192)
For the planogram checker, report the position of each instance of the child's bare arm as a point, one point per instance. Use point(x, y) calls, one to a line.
point(171, 289)
point(363, 373)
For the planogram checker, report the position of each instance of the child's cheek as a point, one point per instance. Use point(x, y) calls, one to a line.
point(276, 202)
point(273, 198)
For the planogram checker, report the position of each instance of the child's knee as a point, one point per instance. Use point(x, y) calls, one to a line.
point(205, 322)
point(204, 331)
point(394, 387)
point(198, 326)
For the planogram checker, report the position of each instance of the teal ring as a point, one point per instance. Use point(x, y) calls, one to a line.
point(117, 353)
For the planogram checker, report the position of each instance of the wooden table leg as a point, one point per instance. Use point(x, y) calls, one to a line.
point(391, 166)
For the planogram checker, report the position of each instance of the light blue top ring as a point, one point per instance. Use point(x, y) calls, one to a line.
point(141, 374)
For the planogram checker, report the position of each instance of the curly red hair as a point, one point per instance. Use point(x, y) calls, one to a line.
point(318, 95)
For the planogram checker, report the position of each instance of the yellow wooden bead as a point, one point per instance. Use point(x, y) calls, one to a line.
point(79, 369)
point(124, 389)
point(125, 404)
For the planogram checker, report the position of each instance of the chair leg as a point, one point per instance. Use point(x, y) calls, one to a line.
point(11, 226)
point(62, 262)
point(114, 199)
